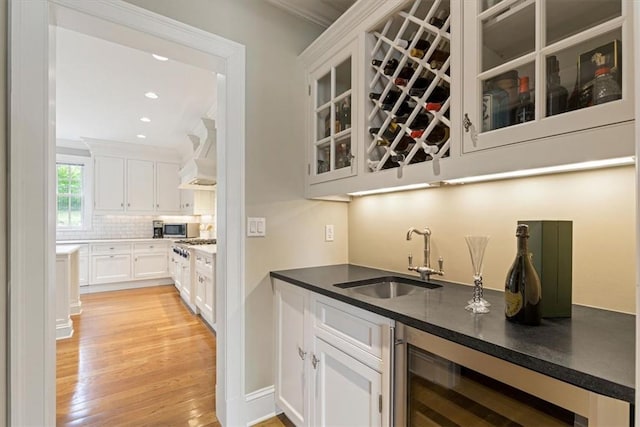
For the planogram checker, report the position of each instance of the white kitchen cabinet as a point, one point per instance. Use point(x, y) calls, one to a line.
point(291, 384)
point(109, 184)
point(521, 36)
point(136, 186)
point(140, 186)
point(150, 260)
point(548, 41)
point(332, 88)
point(167, 192)
point(205, 286)
point(347, 392)
point(198, 202)
point(332, 360)
point(110, 262)
point(83, 261)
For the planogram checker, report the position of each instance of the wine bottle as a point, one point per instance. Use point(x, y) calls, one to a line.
point(605, 87)
point(391, 97)
point(525, 110)
point(420, 44)
point(389, 133)
point(389, 67)
point(556, 93)
point(406, 107)
point(522, 290)
point(346, 112)
point(421, 121)
point(440, 18)
point(401, 145)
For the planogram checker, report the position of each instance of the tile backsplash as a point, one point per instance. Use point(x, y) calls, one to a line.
point(120, 227)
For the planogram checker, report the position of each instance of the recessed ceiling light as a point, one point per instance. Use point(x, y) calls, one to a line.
point(160, 58)
point(151, 95)
point(145, 119)
point(141, 136)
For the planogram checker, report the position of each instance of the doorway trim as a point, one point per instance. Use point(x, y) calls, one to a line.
point(31, 153)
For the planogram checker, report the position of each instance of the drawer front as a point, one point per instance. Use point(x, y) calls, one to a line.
point(352, 325)
point(110, 248)
point(204, 261)
point(150, 247)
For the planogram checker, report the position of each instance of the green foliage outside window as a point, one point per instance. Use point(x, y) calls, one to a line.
point(70, 200)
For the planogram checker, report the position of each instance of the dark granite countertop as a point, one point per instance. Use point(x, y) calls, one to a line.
point(594, 349)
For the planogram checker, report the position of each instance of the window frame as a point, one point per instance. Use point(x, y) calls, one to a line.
point(87, 191)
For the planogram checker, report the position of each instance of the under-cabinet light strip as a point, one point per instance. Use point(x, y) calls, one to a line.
point(595, 164)
point(390, 189)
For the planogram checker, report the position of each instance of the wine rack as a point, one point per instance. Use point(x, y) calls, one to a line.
point(409, 87)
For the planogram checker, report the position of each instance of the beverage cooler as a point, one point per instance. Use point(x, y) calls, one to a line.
point(432, 390)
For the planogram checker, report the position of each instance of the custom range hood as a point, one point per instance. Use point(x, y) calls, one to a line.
point(199, 172)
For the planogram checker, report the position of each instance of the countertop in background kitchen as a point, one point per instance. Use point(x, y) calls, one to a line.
point(594, 349)
point(207, 249)
point(140, 239)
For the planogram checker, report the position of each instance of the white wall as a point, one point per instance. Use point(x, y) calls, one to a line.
point(3, 210)
point(600, 203)
point(274, 157)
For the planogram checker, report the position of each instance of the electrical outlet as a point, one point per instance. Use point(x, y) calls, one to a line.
point(328, 233)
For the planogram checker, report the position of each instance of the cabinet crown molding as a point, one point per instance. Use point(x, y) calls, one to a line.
point(123, 149)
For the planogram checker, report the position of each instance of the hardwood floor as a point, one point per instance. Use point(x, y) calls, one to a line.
point(137, 358)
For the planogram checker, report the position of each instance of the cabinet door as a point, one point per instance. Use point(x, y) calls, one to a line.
point(167, 191)
point(140, 186)
point(544, 79)
point(150, 265)
point(332, 154)
point(210, 292)
point(109, 184)
point(83, 267)
point(204, 202)
point(186, 201)
point(290, 384)
point(110, 268)
point(346, 392)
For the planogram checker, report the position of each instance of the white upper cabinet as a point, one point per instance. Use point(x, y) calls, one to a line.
point(109, 175)
point(167, 192)
point(135, 186)
point(447, 89)
point(535, 69)
point(332, 88)
point(140, 186)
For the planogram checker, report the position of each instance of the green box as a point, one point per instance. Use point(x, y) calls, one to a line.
point(550, 242)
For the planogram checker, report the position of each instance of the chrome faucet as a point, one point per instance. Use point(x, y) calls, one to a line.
point(425, 270)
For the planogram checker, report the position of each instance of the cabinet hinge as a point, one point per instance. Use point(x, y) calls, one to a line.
point(380, 403)
point(309, 88)
point(308, 168)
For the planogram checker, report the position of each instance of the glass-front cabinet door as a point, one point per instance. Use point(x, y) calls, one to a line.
point(332, 155)
point(540, 68)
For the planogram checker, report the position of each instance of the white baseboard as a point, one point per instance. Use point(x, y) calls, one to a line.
point(261, 405)
point(105, 287)
point(64, 329)
point(75, 307)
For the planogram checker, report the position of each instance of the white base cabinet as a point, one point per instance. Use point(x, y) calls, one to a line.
point(110, 268)
point(205, 286)
point(150, 260)
point(332, 360)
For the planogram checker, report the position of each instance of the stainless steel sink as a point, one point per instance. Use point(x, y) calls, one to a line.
point(388, 287)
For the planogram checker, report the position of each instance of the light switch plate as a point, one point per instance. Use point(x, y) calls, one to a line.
point(256, 227)
point(328, 233)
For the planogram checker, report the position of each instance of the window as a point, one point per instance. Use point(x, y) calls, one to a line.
point(70, 195)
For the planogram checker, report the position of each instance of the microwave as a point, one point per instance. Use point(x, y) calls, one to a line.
point(184, 230)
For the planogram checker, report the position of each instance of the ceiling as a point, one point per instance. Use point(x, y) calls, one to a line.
point(100, 87)
point(321, 12)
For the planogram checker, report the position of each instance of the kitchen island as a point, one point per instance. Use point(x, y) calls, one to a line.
point(593, 350)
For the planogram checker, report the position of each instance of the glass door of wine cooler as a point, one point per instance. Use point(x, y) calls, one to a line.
point(332, 154)
point(443, 393)
point(538, 68)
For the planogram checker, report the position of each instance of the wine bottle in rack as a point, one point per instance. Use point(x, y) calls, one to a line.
point(391, 97)
point(438, 135)
point(401, 145)
point(406, 107)
point(437, 59)
point(389, 133)
point(440, 18)
point(391, 64)
point(421, 121)
point(420, 44)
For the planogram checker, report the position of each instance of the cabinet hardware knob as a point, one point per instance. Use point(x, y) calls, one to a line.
point(122, 205)
point(466, 122)
point(314, 361)
point(301, 353)
point(128, 204)
point(158, 205)
point(111, 248)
